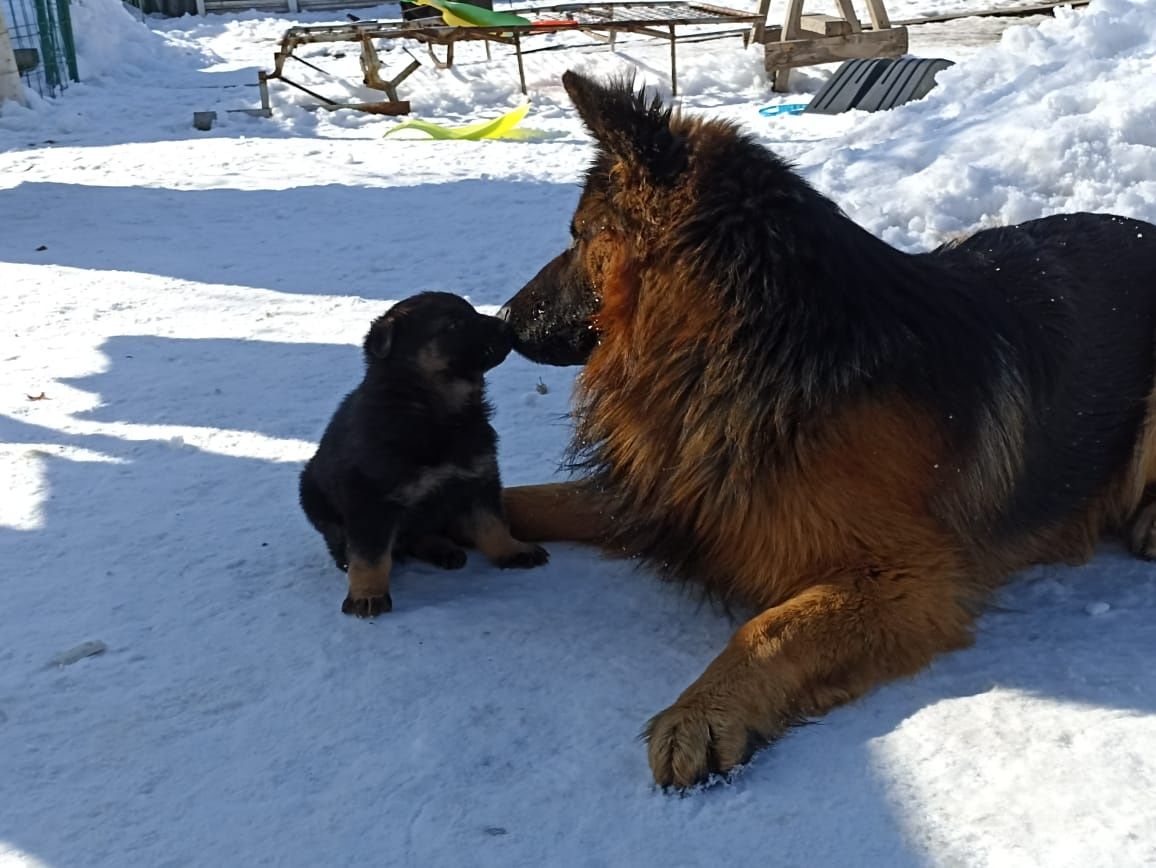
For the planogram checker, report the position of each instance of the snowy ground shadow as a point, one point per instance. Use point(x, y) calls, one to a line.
point(297, 240)
point(496, 715)
point(239, 717)
point(273, 388)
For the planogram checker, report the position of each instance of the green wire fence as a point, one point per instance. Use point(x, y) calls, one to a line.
point(41, 33)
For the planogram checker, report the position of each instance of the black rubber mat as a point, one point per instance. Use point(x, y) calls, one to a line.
point(876, 84)
point(906, 79)
point(846, 87)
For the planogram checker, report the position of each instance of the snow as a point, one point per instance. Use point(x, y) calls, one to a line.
point(1055, 118)
point(189, 305)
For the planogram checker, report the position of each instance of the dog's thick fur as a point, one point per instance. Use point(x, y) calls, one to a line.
point(857, 441)
point(407, 467)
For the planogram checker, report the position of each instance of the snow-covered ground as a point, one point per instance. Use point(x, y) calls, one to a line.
point(180, 312)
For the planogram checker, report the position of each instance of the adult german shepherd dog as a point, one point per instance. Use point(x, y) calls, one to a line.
point(859, 442)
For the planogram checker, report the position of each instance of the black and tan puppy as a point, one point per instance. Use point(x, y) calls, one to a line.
point(408, 464)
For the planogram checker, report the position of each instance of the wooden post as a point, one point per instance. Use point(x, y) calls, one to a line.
point(11, 87)
point(879, 19)
point(521, 68)
point(761, 24)
point(848, 12)
point(792, 29)
point(263, 84)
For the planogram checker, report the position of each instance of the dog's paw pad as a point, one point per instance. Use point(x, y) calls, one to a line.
point(689, 743)
point(530, 556)
point(367, 607)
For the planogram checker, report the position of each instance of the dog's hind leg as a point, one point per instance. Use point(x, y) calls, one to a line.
point(439, 551)
point(828, 645)
point(325, 517)
point(338, 549)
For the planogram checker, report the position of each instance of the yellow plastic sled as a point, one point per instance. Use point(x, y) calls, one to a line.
point(498, 128)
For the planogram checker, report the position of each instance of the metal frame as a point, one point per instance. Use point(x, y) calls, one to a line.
point(44, 26)
point(660, 20)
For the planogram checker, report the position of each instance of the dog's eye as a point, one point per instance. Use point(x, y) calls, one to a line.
point(452, 326)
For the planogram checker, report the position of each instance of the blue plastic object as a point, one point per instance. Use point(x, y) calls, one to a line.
point(790, 108)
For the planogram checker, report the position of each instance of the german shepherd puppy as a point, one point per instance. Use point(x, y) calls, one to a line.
point(408, 464)
point(857, 442)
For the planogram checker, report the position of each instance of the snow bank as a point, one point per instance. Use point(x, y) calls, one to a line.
point(112, 41)
point(1054, 118)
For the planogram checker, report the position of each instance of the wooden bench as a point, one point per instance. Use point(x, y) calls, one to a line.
point(807, 40)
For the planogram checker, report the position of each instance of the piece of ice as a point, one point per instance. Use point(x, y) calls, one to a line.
point(79, 652)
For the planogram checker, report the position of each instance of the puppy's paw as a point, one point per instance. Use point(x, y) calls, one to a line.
point(524, 558)
point(367, 607)
point(440, 552)
point(449, 559)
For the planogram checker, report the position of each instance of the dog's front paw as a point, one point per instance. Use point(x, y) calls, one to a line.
point(524, 558)
point(693, 739)
point(367, 607)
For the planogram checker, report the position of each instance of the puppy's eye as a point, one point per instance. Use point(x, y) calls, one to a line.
point(452, 326)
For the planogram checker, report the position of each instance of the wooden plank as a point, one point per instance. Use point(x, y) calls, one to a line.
point(372, 108)
point(1008, 12)
point(281, 5)
point(891, 42)
point(824, 25)
point(204, 6)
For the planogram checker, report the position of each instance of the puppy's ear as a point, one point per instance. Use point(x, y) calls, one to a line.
point(627, 126)
point(379, 339)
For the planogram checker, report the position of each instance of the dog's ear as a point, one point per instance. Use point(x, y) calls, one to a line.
point(379, 339)
point(627, 126)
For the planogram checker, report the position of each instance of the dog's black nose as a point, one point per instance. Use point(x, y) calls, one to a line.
point(503, 313)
